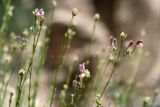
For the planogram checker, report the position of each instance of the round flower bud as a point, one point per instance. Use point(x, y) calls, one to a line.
point(87, 73)
point(54, 3)
point(21, 72)
point(123, 35)
point(96, 16)
point(146, 100)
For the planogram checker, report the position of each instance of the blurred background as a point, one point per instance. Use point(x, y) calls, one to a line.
point(140, 19)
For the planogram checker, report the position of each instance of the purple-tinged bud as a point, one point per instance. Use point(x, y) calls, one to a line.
point(82, 69)
point(111, 39)
point(139, 43)
point(129, 48)
point(130, 43)
point(113, 43)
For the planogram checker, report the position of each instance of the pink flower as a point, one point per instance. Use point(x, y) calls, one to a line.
point(82, 68)
point(83, 71)
point(39, 12)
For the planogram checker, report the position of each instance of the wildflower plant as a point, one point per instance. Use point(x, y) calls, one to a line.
point(69, 34)
point(36, 30)
point(116, 55)
point(79, 85)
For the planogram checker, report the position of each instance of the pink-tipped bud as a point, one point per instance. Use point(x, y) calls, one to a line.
point(129, 48)
point(130, 44)
point(39, 14)
point(111, 39)
point(113, 43)
point(139, 43)
point(82, 68)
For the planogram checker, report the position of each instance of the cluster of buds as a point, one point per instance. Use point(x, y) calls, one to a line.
point(131, 47)
point(98, 100)
point(83, 73)
point(39, 15)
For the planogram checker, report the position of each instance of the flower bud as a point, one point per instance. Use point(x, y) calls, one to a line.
point(54, 3)
point(87, 73)
point(74, 11)
point(129, 48)
point(139, 43)
point(98, 100)
point(21, 72)
point(113, 43)
point(146, 100)
point(123, 35)
point(96, 16)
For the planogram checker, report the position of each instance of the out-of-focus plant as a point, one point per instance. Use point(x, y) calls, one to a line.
point(68, 37)
point(8, 13)
point(79, 85)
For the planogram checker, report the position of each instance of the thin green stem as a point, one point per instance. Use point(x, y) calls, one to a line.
point(30, 70)
point(61, 63)
point(113, 70)
point(92, 36)
point(10, 100)
point(19, 92)
point(10, 75)
point(108, 80)
point(36, 83)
